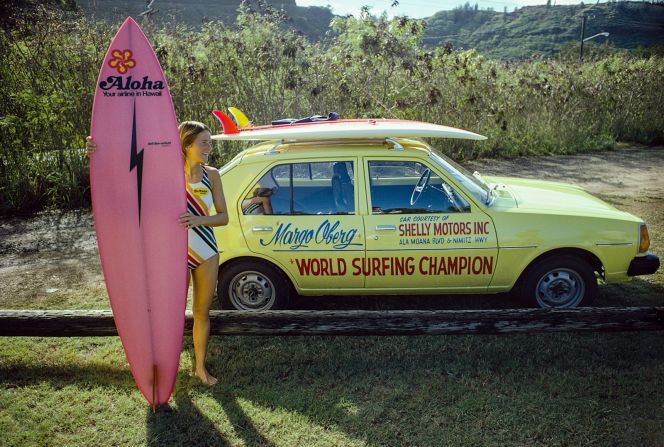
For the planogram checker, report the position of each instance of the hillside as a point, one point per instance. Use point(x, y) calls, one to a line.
point(543, 29)
point(312, 21)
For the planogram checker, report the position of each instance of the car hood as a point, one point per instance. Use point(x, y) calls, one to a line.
point(550, 196)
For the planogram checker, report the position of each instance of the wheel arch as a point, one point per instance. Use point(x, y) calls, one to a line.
point(585, 255)
point(276, 266)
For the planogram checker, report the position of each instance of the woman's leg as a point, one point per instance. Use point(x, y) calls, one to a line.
point(205, 281)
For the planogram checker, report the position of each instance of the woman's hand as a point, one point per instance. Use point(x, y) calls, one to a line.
point(90, 145)
point(188, 220)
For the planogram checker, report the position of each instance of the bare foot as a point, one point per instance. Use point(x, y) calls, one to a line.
point(205, 377)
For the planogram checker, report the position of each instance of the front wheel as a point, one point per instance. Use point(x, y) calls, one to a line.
point(252, 286)
point(559, 282)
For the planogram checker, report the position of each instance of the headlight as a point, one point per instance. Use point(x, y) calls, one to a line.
point(644, 239)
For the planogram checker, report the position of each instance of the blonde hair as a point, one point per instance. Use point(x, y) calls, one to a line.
point(189, 130)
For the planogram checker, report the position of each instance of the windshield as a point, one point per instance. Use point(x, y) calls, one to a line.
point(473, 184)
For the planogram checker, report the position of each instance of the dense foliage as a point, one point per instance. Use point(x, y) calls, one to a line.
point(371, 67)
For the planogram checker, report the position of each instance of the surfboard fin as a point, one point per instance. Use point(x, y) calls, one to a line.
point(155, 385)
point(240, 118)
point(226, 122)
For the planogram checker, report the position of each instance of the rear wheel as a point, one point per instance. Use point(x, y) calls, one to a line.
point(559, 282)
point(252, 286)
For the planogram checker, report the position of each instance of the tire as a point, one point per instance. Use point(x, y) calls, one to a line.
point(252, 286)
point(559, 282)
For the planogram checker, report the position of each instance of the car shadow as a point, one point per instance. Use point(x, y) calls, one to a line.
point(634, 293)
point(405, 302)
point(358, 384)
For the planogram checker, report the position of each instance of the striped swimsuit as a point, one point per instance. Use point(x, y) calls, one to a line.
point(202, 243)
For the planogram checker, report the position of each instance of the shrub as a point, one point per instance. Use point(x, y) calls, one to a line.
point(367, 67)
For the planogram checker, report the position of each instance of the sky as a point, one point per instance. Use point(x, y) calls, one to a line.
point(422, 8)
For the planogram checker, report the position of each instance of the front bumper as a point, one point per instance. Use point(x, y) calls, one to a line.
point(643, 265)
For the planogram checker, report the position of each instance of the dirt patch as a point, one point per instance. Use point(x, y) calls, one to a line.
point(51, 261)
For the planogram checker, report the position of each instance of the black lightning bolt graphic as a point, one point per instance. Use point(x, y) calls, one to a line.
point(136, 161)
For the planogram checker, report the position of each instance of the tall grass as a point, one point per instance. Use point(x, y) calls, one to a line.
point(367, 67)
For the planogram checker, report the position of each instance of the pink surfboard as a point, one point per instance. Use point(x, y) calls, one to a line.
point(138, 192)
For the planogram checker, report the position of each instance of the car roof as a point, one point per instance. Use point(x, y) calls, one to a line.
point(332, 148)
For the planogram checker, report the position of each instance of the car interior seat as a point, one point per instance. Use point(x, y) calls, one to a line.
point(342, 189)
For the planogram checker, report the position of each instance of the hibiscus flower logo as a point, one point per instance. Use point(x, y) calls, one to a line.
point(122, 60)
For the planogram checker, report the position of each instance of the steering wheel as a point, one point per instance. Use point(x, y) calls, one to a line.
point(419, 188)
point(451, 196)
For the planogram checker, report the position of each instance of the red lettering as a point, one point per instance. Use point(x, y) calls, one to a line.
point(442, 268)
point(303, 266)
point(410, 268)
point(357, 266)
point(477, 266)
point(427, 226)
point(385, 265)
point(452, 266)
point(315, 267)
point(375, 266)
point(488, 264)
point(398, 267)
point(423, 259)
point(341, 266)
point(433, 265)
point(481, 228)
point(324, 267)
point(463, 263)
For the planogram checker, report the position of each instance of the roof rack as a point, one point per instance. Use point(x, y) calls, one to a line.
point(395, 144)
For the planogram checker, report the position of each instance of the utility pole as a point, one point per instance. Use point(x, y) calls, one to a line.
point(583, 35)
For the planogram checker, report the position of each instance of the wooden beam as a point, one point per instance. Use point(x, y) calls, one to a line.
point(80, 323)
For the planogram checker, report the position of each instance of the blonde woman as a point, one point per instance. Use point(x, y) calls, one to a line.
point(204, 193)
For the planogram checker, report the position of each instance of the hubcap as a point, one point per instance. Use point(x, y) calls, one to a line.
point(560, 288)
point(251, 291)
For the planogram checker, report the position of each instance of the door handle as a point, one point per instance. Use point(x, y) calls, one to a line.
point(386, 227)
point(257, 229)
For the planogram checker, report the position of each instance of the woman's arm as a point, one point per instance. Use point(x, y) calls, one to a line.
point(189, 220)
point(221, 218)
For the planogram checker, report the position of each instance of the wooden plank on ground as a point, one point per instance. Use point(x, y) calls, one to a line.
point(80, 323)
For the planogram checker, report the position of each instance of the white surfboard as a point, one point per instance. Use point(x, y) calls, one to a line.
point(350, 129)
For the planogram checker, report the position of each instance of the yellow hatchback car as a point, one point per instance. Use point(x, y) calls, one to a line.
point(394, 216)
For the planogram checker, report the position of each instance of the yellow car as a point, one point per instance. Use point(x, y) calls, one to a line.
point(394, 216)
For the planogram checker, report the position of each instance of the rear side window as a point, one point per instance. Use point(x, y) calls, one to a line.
point(304, 189)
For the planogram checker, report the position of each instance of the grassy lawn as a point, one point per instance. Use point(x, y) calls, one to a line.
point(549, 389)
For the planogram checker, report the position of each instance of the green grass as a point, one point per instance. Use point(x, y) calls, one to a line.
point(548, 389)
point(517, 390)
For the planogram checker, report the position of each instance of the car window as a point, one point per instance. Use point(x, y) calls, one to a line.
point(410, 187)
point(304, 189)
point(475, 186)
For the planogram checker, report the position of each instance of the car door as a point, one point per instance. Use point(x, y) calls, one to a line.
point(422, 230)
point(304, 216)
